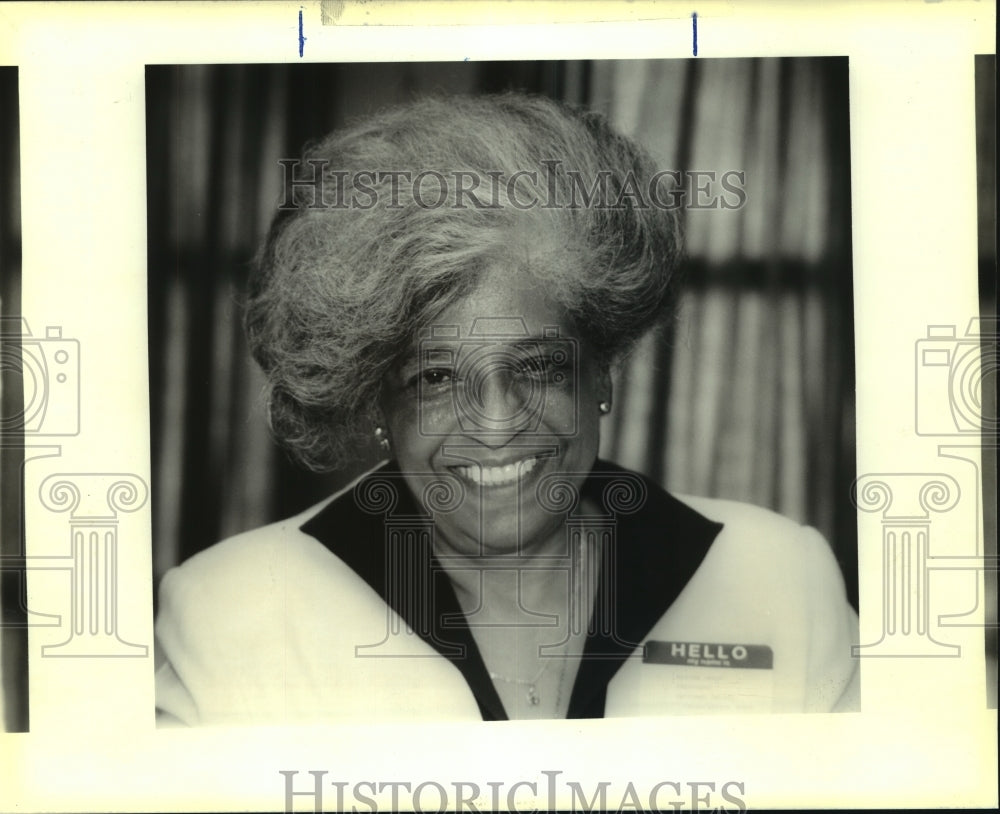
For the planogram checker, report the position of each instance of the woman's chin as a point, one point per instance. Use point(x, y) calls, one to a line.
point(502, 531)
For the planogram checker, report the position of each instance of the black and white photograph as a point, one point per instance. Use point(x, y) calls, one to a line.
point(573, 344)
point(527, 406)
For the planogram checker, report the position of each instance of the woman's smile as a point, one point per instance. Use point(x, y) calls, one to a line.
point(548, 429)
point(493, 476)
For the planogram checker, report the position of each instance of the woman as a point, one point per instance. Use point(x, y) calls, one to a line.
point(454, 280)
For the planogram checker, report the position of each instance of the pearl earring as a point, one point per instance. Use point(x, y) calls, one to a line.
point(604, 407)
point(382, 438)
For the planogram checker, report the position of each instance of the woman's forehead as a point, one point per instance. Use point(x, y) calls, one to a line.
point(506, 306)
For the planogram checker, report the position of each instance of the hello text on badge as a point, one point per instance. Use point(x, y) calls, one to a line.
point(709, 654)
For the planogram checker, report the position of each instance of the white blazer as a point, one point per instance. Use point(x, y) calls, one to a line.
point(718, 607)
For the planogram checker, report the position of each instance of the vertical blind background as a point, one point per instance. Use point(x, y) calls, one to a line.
point(750, 393)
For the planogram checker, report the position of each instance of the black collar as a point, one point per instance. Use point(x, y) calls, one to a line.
point(659, 547)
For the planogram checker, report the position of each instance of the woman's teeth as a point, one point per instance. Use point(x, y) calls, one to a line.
point(497, 475)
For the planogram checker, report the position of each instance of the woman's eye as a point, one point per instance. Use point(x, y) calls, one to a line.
point(535, 366)
point(436, 376)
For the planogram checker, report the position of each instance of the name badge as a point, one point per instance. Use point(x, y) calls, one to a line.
point(709, 654)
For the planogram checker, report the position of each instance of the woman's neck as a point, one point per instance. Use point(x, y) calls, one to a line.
point(531, 576)
point(529, 616)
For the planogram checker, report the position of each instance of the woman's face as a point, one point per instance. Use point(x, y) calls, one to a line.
point(500, 393)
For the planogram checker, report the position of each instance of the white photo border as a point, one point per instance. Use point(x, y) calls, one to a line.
point(925, 736)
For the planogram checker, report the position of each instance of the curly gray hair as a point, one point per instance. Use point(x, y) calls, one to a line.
point(340, 288)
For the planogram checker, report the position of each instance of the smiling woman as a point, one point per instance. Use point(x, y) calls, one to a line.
point(492, 566)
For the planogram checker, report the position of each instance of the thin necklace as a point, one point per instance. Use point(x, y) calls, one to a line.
point(532, 692)
point(532, 683)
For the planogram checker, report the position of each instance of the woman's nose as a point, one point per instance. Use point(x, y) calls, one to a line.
point(497, 408)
